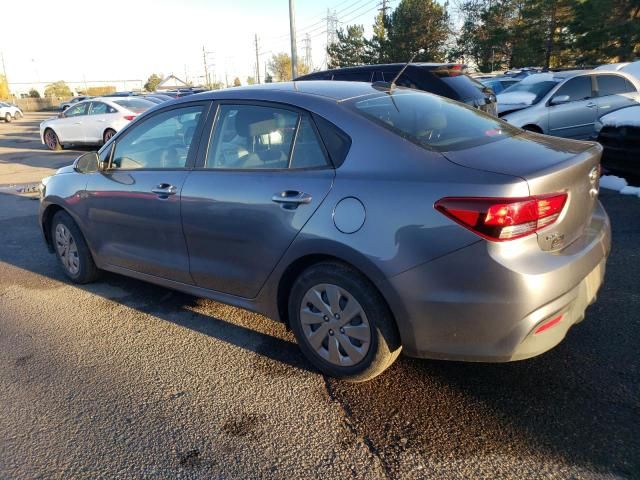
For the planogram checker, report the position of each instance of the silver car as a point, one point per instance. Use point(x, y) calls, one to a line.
point(567, 104)
point(369, 220)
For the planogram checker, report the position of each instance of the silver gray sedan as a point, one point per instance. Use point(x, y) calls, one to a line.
point(371, 221)
point(567, 104)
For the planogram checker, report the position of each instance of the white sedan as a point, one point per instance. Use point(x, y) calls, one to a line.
point(9, 112)
point(91, 122)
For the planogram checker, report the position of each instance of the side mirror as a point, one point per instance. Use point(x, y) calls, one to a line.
point(560, 99)
point(61, 114)
point(88, 163)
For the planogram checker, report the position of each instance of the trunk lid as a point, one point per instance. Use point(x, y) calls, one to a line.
point(549, 165)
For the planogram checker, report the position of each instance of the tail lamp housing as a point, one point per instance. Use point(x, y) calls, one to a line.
point(502, 219)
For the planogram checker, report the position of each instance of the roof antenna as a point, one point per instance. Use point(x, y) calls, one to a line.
point(393, 82)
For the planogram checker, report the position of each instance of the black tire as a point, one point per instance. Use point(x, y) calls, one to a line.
point(51, 140)
point(7, 117)
point(108, 133)
point(86, 268)
point(18, 116)
point(384, 345)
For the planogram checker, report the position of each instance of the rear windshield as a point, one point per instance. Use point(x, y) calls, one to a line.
point(136, 105)
point(433, 122)
point(466, 86)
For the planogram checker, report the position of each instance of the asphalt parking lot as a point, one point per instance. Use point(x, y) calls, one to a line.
point(121, 379)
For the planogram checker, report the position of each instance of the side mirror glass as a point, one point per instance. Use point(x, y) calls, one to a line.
point(88, 163)
point(560, 99)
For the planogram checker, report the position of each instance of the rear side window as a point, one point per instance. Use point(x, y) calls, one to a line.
point(578, 88)
point(433, 122)
point(249, 137)
point(335, 140)
point(613, 85)
point(355, 76)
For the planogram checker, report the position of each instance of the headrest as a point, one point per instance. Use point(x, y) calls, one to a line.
point(251, 122)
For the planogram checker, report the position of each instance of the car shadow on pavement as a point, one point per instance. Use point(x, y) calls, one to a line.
point(168, 305)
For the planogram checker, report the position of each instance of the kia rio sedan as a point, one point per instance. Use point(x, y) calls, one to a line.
point(370, 221)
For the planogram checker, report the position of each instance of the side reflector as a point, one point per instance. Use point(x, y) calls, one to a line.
point(129, 117)
point(548, 324)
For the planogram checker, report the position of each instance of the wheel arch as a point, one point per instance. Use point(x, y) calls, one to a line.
point(46, 218)
point(300, 264)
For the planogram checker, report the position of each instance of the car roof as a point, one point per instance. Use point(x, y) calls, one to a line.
point(328, 89)
point(384, 65)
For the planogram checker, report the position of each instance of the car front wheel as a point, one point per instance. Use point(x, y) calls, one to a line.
point(342, 324)
point(51, 140)
point(18, 116)
point(7, 117)
point(71, 249)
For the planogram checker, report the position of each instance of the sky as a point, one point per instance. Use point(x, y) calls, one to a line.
point(89, 40)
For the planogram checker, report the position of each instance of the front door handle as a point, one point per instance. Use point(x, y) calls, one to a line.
point(164, 190)
point(291, 198)
point(591, 105)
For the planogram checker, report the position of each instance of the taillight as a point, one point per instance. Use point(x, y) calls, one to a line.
point(501, 219)
point(129, 117)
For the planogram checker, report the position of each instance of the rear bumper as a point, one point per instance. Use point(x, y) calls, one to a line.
point(484, 302)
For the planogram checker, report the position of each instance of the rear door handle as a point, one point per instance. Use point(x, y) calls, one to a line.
point(164, 190)
point(291, 198)
point(591, 105)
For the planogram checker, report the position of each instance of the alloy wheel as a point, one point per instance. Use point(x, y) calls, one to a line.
point(335, 325)
point(67, 249)
point(50, 139)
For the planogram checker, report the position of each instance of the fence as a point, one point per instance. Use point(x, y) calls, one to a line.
point(40, 104)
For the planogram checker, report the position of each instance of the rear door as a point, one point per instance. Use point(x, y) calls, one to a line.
point(614, 92)
point(575, 118)
point(99, 117)
point(260, 178)
point(133, 207)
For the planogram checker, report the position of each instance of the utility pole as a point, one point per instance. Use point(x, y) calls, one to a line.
point(292, 29)
point(308, 60)
point(332, 36)
point(257, 60)
point(206, 69)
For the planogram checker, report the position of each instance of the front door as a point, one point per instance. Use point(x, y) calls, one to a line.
point(575, 118)
point(70, 127)
point(134, 206)
point(263, 176)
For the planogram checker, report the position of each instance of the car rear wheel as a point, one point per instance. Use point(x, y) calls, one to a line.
point(7, 117)
point(342, 324)
point(108, 133)
point(51, 140)
point(17, 116)
point(71, 249)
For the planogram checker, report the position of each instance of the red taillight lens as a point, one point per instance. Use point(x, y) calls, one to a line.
point(500, 219)
point(129, 117)
point(548, 324)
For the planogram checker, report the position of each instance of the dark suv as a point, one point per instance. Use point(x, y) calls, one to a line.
point(444, 79)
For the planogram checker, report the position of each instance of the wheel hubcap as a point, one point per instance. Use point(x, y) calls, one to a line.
point(67, 249)
point(50, 139)
point(107, 136)
point(335, 325)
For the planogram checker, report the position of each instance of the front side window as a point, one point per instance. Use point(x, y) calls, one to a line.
point(578, 88)
point(261, 137)
point(613, 85)
point(77, 110)
point(159, 142)
point(99, 108)
point(433, 122)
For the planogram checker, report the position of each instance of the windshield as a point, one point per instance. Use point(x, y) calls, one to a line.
point(433, 122)
point(136, 105)
point(535, 90)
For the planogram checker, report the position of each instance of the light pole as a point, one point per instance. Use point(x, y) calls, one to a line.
point(292, 28)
